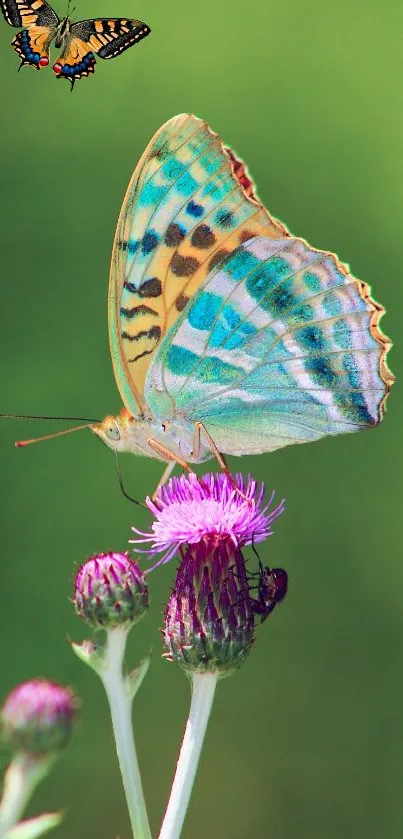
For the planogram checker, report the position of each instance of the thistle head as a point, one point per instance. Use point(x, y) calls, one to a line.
point(209, 620)
point(110, 591)
point(38, 717)
point(188, 509)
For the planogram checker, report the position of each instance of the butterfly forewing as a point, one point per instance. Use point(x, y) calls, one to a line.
point(108, 37)
point(26, 14)
point(187, 207)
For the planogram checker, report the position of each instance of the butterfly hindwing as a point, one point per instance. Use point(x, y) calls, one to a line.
point(75, 61)
point(189, 204)
point(32, 45)
point(40, 23)
point(281, 345)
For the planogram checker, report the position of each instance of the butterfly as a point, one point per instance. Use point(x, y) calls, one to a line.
point(79, 42)
point(228, 335)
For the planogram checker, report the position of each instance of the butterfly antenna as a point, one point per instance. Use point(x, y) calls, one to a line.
point(122, 489)
point(40, 417)
point(21, 443)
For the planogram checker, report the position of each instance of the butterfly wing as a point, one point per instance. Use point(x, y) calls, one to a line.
point(109, 37)
point(40, 23)
point(189, 204)
point(104, 37)
point(76, 61)
point(281, 345)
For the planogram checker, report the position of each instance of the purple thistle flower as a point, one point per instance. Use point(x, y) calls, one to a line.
point(110, 591)
point(38, 717)
point(210, 616)
point(187, 509)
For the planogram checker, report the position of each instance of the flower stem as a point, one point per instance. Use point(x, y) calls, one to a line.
point(203, 689)
point(120, 702)
point(21, 778)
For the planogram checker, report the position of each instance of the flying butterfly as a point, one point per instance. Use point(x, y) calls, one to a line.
point(79, 42)
point(228, 334)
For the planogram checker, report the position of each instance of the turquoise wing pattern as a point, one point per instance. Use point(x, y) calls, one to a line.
point(280, 345)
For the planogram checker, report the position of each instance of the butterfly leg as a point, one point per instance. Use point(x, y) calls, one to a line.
point(199, 427)
point(167, 455)
point(165, 475)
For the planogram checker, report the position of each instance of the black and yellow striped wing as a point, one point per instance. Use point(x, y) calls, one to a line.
point(39, 23)
point(106, 37)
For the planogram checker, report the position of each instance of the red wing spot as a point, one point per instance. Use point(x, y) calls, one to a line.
point(43, 62)
point(57, 68)
point(241, 174)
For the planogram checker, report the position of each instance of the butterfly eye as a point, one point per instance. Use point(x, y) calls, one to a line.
point(112, 432)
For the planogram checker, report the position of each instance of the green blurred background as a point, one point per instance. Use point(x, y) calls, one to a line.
point(306, 740)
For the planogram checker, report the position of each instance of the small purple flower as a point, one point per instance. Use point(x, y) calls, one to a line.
point(188, 508)
point(110, 591)
point(38, 717)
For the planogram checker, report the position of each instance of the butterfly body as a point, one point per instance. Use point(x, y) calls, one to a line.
point(79, 42)
point(126, 433)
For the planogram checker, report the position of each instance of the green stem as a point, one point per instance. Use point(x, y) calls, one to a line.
point(21, 778)
point(203, 690)
point(120, 702)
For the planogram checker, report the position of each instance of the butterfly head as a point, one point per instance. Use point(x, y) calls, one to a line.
point(119, 433)
point(115, 432)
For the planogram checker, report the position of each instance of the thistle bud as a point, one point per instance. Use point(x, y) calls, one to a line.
point(38, 717)
point(110, 591)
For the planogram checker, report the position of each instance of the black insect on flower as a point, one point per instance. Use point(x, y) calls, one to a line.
point(271, 589)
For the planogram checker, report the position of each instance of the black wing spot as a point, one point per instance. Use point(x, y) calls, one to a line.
point(133, 311)
point(174, 235)
point(217, 257)
point(184, 266)
point(203, 237)
point(150, 288)
point(181, 302)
